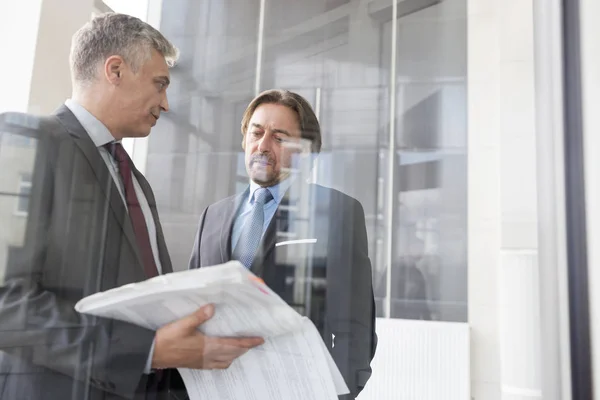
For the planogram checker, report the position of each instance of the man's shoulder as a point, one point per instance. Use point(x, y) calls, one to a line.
point(332, 195)
point(225, 203)
point(35, 126)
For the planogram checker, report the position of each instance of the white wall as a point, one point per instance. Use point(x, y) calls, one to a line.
point(137, 8)
point(51, 77)
point(36, 48)
point(503, 268)
point(484, 197)
point(19, 31)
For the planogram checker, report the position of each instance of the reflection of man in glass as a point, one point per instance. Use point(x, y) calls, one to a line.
point(409, 289)
point(307, 242)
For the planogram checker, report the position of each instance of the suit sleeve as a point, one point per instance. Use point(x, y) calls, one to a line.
point(353, 321)
point(195, 260)
point(40, 327)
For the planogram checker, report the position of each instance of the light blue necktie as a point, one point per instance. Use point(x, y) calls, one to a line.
point(249, 240)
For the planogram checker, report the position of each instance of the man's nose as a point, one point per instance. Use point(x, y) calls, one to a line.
point(164, 104)
point(265, 143)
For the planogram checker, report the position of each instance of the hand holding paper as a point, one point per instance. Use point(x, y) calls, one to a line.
point(181, 345)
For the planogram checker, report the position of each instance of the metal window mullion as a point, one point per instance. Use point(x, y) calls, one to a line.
point(259, 47)
point(576, 226)
point(391, 164)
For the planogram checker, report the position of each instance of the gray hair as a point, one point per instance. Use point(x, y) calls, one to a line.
point(116, 34)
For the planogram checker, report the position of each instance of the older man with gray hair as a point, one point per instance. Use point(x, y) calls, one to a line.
point(92, 226)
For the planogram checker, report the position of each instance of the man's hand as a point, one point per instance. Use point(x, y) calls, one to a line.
point(180, 345)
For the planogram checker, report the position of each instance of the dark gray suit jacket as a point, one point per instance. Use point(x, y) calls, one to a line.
point(336, 267)
point(79, 240)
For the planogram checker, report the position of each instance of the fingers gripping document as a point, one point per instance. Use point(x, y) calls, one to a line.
point(293, 363)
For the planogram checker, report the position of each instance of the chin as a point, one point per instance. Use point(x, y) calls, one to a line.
point(143, 134)
point(264, 179)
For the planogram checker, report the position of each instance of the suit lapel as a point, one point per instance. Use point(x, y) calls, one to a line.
point(227, 215)
point(106, 182)
point(278, 227)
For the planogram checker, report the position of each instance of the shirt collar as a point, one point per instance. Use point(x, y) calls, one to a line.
point(277, 191)
point(98, 132)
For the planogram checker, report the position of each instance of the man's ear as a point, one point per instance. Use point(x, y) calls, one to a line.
point(113, 69)
point(244, 141)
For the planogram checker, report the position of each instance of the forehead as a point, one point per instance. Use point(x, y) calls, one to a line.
point(156, 65)
point(275, 116)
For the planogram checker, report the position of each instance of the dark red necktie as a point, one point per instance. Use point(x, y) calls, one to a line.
point(135, 211)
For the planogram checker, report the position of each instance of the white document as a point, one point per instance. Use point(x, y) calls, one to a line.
point(293, 363)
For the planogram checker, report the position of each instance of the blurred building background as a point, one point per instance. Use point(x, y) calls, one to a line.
point(430, 112)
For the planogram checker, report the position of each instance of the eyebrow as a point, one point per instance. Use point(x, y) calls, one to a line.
point(259, 126)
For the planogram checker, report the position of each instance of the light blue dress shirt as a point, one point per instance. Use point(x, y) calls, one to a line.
point(100, 135)
point(277, 191)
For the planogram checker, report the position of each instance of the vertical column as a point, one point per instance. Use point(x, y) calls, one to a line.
point(483, 196)
point(19, 23)
point(518, 278)
point(51, 77)
point(503, 265)
point(552, 259)
point(514, 168)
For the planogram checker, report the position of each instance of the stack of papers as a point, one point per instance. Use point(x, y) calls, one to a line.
point(292, 364)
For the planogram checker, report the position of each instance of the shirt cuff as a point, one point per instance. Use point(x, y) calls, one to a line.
point(148, 368)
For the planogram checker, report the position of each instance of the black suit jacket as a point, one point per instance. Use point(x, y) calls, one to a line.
point(79, 240)
point(336, 267)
